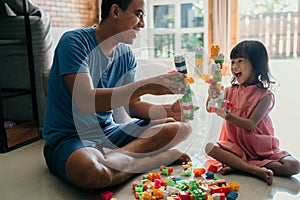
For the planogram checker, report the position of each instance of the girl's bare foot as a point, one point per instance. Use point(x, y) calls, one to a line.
point(226, 170)
point(266, 174)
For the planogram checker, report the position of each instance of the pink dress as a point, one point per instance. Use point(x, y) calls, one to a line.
point(258, 146)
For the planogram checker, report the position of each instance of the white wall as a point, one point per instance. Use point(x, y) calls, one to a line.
point(286, 112)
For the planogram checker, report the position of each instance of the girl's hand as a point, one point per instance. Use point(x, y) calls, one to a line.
point(213, 92)
point(223, 112)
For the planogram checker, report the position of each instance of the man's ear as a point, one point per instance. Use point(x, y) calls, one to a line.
point(114, 10)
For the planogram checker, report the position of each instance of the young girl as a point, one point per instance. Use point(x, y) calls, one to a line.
point(249, 144)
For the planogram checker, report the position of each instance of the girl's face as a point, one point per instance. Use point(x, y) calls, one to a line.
point(242, 70)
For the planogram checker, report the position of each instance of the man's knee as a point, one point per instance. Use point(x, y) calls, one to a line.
point(96, 175)
point(184, 129)
point(179, 130)
point(93, 175)
point(84, 169)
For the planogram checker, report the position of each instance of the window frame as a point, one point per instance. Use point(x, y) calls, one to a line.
point(177, 30)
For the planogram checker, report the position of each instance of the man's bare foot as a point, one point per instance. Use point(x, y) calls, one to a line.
point(226, 169)
point(183, 158)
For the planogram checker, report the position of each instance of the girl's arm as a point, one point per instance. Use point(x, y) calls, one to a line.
point(257, 115)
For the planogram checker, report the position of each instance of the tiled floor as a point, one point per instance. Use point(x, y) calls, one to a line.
point(25, 176)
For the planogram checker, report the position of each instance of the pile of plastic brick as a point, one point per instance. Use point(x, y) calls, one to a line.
point(192, 184)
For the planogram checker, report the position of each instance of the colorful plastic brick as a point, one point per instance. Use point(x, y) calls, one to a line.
point(146, 195)
point(171, 182)
point(226, 189)
point(234, 186)
point(220, 182)
point(152, 176)
point(232, 195)
point(219, 58)
point(199, 60)
point(187, 104)
point(134, 185)
point(186, 166)
point(187, 172)
point(219, 196)
point(214, 51)
point(180, 64)
point(177, 179)
point(157, 183)
point(209, 181)
point(214, 167)
point(193, 185)
point(139, 188)
point(166, 170)
point(158, 193)
point(199, 171)
point(172, 190)
point(198, 195)
point(107, 195)
point(137, 195)
point(215, 189)
point(183, 195)
point(210, 175)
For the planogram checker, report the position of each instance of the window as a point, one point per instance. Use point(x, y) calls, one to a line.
point(173, 28)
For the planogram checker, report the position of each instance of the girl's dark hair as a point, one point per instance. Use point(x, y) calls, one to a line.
point(257, 55)
point(106, 5)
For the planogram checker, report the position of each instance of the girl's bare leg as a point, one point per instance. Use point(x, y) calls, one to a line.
point(286, 166)
point(236, 162)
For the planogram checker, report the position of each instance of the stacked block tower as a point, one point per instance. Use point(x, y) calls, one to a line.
point(213, 76)
point(187, 101)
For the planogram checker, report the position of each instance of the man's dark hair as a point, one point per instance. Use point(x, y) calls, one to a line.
point(106, 5)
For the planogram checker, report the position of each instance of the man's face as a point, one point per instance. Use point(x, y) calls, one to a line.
point(131, 21)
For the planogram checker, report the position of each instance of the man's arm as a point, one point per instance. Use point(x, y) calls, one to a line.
point(90, 99)
point(145, 110)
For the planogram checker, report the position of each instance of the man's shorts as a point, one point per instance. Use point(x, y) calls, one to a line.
point(58, 150)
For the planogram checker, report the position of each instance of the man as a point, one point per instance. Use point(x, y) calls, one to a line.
point(92, 74)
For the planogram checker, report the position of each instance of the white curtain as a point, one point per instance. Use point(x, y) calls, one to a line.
point(222, 26)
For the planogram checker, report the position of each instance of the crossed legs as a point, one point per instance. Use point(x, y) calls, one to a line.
point(287, 166)
point(89, 168)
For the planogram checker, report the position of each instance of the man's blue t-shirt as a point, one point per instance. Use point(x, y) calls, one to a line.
point(78, 51)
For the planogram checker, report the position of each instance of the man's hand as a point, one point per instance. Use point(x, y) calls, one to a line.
point(172, 83)
point(176, 111)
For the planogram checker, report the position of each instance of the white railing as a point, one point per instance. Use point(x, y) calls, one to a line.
point(280, 32)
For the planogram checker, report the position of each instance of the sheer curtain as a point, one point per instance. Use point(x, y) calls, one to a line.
point(224, 27)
